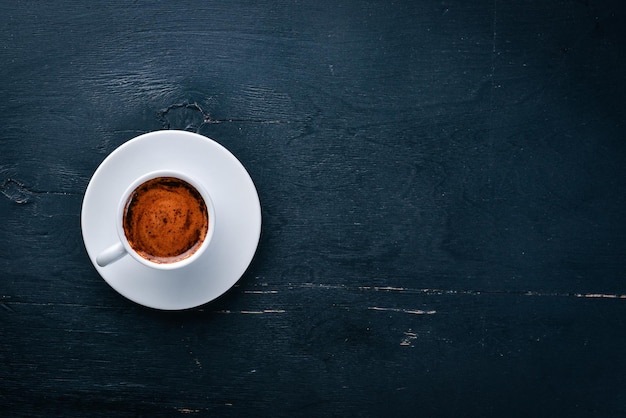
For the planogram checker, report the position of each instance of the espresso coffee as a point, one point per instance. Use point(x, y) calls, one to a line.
point(165, 220)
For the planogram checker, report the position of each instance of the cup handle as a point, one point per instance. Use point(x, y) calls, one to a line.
point(111, 254)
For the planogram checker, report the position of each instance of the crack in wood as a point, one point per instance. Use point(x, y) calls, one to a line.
point(19, 193)
point(205, 118)
point(407, 311)
point(265, 311)
point(260, 292)
point(436, 291)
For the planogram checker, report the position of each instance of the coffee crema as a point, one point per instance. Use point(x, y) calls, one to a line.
point(165, 220)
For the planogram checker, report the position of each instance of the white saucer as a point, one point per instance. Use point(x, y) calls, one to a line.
point(237, 216)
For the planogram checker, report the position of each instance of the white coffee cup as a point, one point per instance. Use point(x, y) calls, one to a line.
point(121, 248)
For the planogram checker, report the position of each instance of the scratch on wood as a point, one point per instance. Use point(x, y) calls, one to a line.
point(187, 410)
point(601, 296)
point(407, 311)
point(254, 312)
point(60, 304)
point(479, 292)
point(383, 288)
point(435, 291)
point(320, 286)
point(260, 292)
point(409, 336)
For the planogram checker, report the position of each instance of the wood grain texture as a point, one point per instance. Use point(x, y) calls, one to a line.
point(443, 199)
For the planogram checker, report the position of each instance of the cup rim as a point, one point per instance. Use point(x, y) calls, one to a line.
point(119, 222)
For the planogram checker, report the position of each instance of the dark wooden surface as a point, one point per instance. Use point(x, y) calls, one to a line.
point(443, 193)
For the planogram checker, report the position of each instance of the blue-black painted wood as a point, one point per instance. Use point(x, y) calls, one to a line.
point(443, 197)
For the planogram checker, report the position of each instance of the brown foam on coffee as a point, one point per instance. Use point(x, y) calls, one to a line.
point(165, 220)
